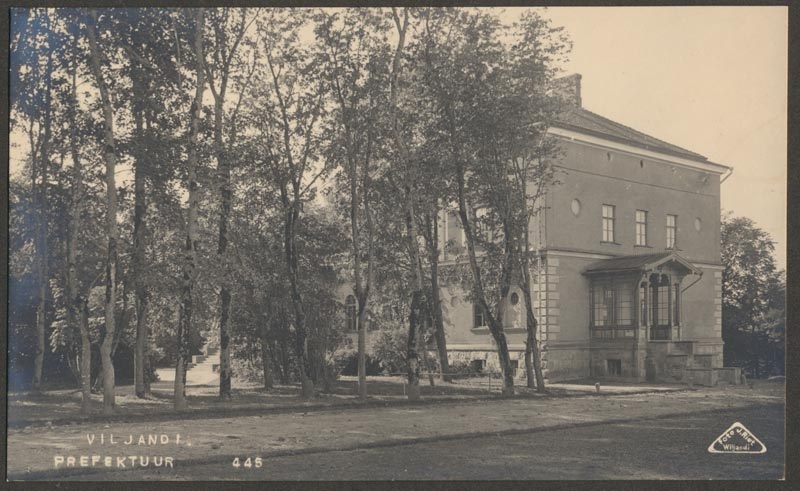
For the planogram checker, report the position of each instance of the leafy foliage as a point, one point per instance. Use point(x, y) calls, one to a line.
point(753, 299)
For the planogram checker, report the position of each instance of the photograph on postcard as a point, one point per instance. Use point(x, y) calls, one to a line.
point(397, 243)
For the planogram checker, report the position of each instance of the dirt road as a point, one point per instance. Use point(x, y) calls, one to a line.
point(615, 431)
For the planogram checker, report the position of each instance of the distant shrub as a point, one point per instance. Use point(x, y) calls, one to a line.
point(390, 349)
point(348, 365)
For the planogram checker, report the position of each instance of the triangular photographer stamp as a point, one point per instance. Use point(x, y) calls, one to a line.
point(737, 439)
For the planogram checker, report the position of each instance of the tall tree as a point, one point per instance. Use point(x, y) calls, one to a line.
point(430, 232)
point(191, 225)
point(229, 28)
point(461, 49)
point(493, 110)
point(41, 221)
point(76, 303)
point(140, 81)
point(753, 300)
point(110, 159)
point(355, 61)
point(403, 160)
point(292, 95)
point(537, 50)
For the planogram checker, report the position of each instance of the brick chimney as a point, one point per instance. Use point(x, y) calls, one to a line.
point(568, 89)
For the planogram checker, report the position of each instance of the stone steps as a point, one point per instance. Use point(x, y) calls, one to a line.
point(202, 370)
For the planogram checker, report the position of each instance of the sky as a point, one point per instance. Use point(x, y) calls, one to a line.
point(709, 79)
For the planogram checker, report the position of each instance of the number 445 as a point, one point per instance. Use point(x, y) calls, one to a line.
point(248, 463)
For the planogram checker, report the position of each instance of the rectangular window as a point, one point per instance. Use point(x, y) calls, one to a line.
point(613, 309)
point(643, 303)
point(483, 228)
point(676, 310)
point(454, 234)
point(672, 231)
point(624, 306)
point(661, 308)
point(641, 228)
point(603, 304)
point(608, 223)
point(479, 316)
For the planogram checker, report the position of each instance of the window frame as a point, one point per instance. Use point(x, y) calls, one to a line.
point(351, 313)
point(617, 289)
point(640, 228)
point(608, 225)
point(482, 218)
point(672, 231)
point(662, 319)
point(478, 311)
point(453, 244)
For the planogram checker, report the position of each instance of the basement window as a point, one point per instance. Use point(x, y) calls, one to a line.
point(477, 366)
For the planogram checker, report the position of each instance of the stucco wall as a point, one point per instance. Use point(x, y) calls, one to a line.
point(701, 312)
point(458, 321)
point(630, 183)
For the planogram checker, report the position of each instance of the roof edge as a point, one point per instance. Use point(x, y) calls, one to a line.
point(571, 132)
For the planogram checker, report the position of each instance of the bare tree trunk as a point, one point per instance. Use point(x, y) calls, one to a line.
point(111, 220)
point(413, 371)
point(41, 229)
point(359, 290)
point(224, 169)
point(190, 249)
point(432, 239)
point(301, 336)
point(533, 359)
point(422, 347)
point(494, 323)
point(225, 56)
point(415, 315)
point(76, 305)
point(266, 359)
point(282, 362)
point(141, 381)
point(86, 357)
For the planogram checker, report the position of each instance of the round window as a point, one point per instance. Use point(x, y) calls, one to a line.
point(514, 298)
point(698, 224)
point(454, 301)
point(576, 207)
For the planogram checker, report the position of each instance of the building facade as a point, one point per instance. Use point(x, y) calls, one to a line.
point(628, 281)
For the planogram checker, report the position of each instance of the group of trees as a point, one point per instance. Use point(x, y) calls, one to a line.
point(212, 175)
point(753, 299)
point(191, 176)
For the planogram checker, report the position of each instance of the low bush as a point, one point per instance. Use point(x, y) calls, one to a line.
point(348, 365)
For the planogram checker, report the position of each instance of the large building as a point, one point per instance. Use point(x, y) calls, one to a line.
point(628, 282)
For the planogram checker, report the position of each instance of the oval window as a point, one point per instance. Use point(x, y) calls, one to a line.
point(698, 224)
point(514, 298)
point(576, 207)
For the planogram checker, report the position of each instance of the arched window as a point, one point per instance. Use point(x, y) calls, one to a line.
point(350, 313)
